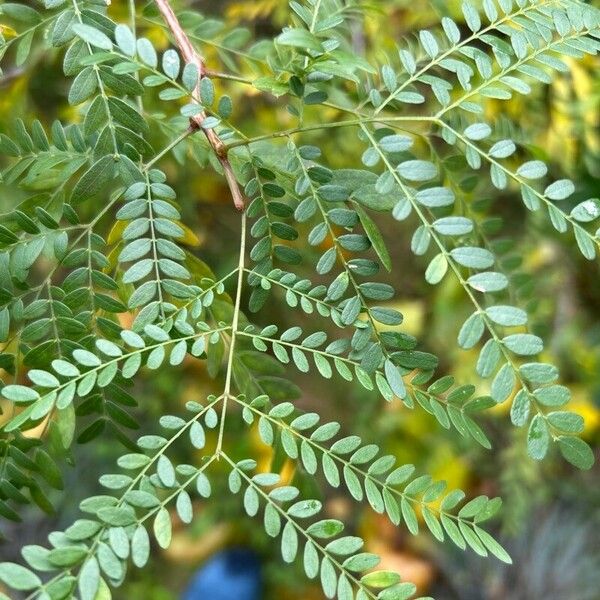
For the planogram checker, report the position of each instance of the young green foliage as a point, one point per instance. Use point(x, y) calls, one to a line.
point(133, 258)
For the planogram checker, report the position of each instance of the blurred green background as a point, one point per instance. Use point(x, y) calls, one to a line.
point(551, 513)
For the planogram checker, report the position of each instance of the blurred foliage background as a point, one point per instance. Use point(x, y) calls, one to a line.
point(551, 512)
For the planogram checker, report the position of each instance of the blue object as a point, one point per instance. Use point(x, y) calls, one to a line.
point(233, 574)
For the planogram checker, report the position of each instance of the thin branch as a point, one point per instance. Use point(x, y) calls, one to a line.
point(234, 332)
point(191, 56)
point(330, 125)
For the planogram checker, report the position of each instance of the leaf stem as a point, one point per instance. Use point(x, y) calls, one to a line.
point(318, 126)
point(234, 331)
point(170, 147)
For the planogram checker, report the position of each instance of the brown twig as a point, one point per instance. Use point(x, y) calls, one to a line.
point(190, 55)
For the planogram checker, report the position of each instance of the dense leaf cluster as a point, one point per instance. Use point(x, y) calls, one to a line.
point(419, 118)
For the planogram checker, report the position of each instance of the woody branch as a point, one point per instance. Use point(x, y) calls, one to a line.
point(190, 55)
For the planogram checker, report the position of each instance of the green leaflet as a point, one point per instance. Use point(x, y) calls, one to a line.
point(375, 237)
point(299, 38)
point(92, 36)
point(92, 181)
